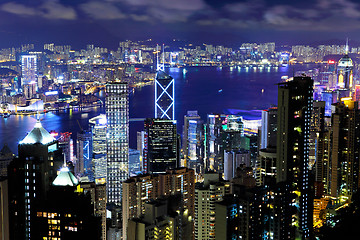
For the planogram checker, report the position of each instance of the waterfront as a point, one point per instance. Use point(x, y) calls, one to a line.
point(206, 89)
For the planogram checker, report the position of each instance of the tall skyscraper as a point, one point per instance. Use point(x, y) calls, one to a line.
point(117, 138)
point(268, 127)
point(193, 142)
point(28, 75)
point(28, 69)
point(30, 178)
point(98, 130)
point(84, 165)
point(162, 147)
point(345, 149)
point(345, 71)
point(295, 100)
point(164, 96)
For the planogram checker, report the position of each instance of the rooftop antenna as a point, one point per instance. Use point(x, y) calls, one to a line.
point(163, 59)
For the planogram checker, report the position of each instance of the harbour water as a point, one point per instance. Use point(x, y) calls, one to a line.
point(206, 89)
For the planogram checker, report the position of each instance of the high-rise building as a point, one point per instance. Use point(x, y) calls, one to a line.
point(162, 145)
point(206, 194)
point(28, 69)
point(142, 188)
point(84, 165)
point(213, 141)
point(117, 139)
point(295, 100)
point(29, 178)
point(268, 127)
point(140, 146)
point(345, 72)
point(163, 219)
point(193, 142)
point(98, 130)
point(233, 160)
point(345, 149)
point(164, 96)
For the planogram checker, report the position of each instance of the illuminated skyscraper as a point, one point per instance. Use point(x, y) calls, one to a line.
point(28, 69)
point(117, 139)
point(295, 100)
point(164, 96)
point(98, 130)
point(162, 146)
point(345, 71)
point(84, 166)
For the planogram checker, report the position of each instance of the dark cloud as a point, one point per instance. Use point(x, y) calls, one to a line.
point(123, 18)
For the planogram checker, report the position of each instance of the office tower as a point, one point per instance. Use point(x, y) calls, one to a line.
point(84, 165)
point(345, 72)
point(6, 156)
point(206, 194)
point(164, 96)
point(29, 178)
point(98, 130)
point(117, 139)
point(319, 146)
point(142, 188)
point(345, 144)
point(134, 162)
point(163, 219)
point(268, 128)
point(66, 145)
point(28, 75)
point(65, 213)
point(193, 142)
point(140, 146)
point(213, 141)
point(233, 160)
point(28, 69)
point(294, 119)
point(98, 199)
point(161, 149)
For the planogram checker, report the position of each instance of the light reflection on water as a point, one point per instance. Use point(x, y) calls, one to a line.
point(197, 88)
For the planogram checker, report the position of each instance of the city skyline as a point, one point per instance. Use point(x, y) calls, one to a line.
point(230, 21)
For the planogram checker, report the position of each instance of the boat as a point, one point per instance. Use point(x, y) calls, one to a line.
point(6, 115)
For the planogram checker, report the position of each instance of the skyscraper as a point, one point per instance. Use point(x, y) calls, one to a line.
point(30, 177)
point(295, 100)
point(164, 96)
point(162, 148)
point(117, 138)
point(28, 69)
point(28, 75)
point(98, 131)
point(84, 166)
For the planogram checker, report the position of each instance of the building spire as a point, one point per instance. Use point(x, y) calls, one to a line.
point(163, 58)
point(347, 46)
point(157, 58)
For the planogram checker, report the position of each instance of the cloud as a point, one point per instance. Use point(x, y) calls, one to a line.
point(18, 9)
point(49, 10)
point(54, 10)
point(102, 10)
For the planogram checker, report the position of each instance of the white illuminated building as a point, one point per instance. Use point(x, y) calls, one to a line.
point(117, 139)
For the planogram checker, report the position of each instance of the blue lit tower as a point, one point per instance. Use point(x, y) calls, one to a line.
point(117, 138)
point(164, 94)
point(295, 101)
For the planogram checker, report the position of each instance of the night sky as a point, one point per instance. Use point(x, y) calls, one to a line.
point(106, 22)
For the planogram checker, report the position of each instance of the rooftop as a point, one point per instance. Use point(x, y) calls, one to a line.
point(38, 135)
